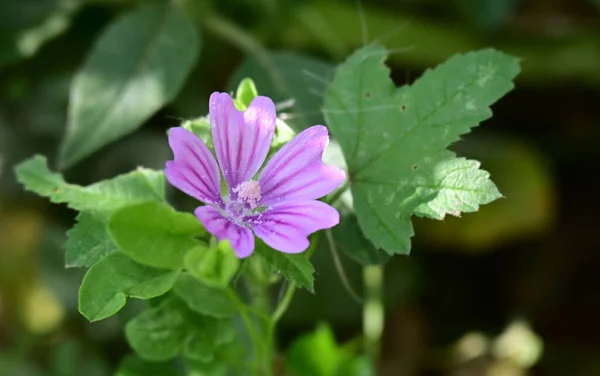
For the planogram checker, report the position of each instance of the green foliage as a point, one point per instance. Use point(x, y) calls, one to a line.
point(245, 93)
point(25, 26)
point(204, 299)
point(88, 241)
point(134, 366)
point(137, 186)
point(215, 266)
point(111, 280)
point(294, 267)
point(138, 64)
point(318, 354)
point(349, 239)
point(285, 76)
point(462, 186)
point(169, 329)
point(154, 234)
point(395, 140)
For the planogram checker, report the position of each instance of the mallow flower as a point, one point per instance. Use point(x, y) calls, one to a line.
point(279, 204)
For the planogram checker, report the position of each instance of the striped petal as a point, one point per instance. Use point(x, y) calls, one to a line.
point(296, 171)
point(285, 227)
point(240, 238)
point(242, 139)
point(193, 168)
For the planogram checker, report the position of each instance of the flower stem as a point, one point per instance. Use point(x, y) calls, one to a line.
point(332, 198)
point(339, 267)
point(373, 310)
point(257, 343)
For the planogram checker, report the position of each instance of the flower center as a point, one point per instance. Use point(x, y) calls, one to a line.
point(248, 192)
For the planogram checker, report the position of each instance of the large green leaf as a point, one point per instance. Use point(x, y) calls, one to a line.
point(110, 281)
point(294, 267)
point(154, 234)
point(137, 186)
point(395, 140)
point(289, 76)
point(171, 328)
point(138, 64)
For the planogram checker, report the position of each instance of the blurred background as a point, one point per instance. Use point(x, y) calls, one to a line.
point(508, 291)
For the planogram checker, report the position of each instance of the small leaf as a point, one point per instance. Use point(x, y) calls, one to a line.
point(154, 234)
point(88, 241)
point(245, 93)
point(214, 267)
point(294, 267)
point(137, 186)
point(109, 282)
point(394, 140)
point(288, 76)
point(137, 65)
point(202, 298)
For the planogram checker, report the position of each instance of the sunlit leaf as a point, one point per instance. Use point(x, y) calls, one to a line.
point(137, 65)
point(137, 186)
point(394, 141)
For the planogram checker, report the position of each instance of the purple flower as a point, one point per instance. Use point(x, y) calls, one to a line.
point(280, 206)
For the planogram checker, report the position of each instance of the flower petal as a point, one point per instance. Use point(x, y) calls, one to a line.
point(296, 171)
point(241, 238)
point(285, 227)
point(242, 139)
point(194, 169)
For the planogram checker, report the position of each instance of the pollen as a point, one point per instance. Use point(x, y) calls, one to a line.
point(248, 192)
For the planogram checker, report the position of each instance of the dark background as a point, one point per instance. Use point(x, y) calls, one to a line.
point(522, 274)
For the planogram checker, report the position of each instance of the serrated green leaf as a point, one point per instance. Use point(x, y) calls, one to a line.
point(215, 266)
point(294, 267)
point(137, 65)
point(137, 186)
point(88, 241)
point(108, 283)
point(154, 234)
point(171, 328)
point(202, 298)
point(394, 140)
point(461, 187)
point(289, 76)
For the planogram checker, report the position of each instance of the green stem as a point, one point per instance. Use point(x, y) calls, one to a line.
point(339, 267)
point(257, 343)
point(332, 198)
point(373, 310)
